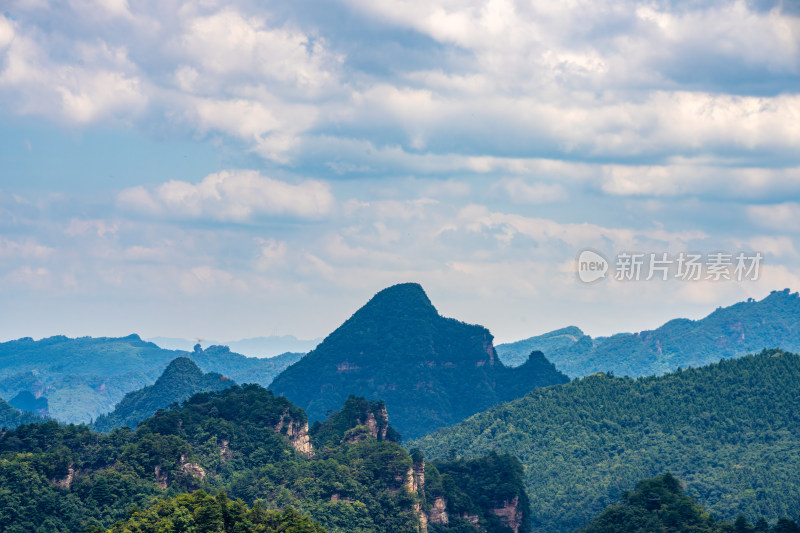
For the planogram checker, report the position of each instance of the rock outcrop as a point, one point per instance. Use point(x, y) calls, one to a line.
point(510, 514)
point(297, 433)
point(438, 514)
point(66, 481)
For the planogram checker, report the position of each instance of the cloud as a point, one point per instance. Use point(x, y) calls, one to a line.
point(520, 191)
point(783, 217)
point(231, 196)
point(100, 83)
point(27, 249)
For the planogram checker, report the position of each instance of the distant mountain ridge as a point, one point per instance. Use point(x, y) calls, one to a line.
point(429, 370)
point(270, 346)
point(733, 331)
point(85, 377)
point(181, 379)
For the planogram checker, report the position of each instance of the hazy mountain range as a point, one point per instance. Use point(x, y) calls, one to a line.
point(253, 347)
point(85, 377)
point(732, 331)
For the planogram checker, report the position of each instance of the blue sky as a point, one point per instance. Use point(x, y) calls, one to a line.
point(234, 169)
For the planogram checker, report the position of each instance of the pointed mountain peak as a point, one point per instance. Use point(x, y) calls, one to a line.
point(181, 366)
point(404, 299)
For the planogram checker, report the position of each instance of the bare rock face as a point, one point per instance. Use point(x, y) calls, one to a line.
point(194, 469)
point(66, 482)
point(510, 514)
point(161, 479)
point(225, 450)
point(438, 514)
point(297, 434)
point(472, 519)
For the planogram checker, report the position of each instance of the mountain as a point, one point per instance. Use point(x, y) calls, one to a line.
point(181, 379)
point(729, 430)
point(10, 417)
point(660, 504)
point(429, 370)
point(26, 401)
point(199, 511)
point(743, 328)
point(244, 443)
point(558, 342)
point(85, 377)
point(252, 347)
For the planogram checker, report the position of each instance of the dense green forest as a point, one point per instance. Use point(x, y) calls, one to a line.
point(82, 378)
point(660, 504)
point(743, 328)
point(346, 474)
point(181, 379)
point(430, 371)
point(199, 512)
point(729, 430)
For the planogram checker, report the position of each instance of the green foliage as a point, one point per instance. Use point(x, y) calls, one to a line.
point(430, 371)
point(358, 417)
point(85, 377)
point(660, 504)
point(181, 379)
point(199, 512)
point(728, 429)
point(475, 486)
point(743, 328)
point(238, 442)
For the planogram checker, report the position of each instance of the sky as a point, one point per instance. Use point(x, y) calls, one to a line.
point(207, 169)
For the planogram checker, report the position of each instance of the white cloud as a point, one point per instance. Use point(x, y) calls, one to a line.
point(231, 196)
point(783, 217)
point(27, 249)
point(101, 84)
point(227, 43)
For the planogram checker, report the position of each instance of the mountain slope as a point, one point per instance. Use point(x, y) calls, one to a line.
point(729, 430)
point(660, 504)
point(181, 379)
point(743, 328)
point(245, 443)
point(10, 418)
point(558, 342)
point(85, 377)
point(430, 371)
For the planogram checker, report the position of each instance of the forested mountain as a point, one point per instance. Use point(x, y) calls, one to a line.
point(729, 430)
point(200, 512)
point(85, 377)
point(660, 504)
point(430, 371)
point(743, 328)
point(181, 379)
point(560, 343)
point(11, 417)
point(254, 446)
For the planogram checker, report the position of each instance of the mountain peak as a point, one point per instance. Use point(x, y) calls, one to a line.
point(397, 348)
point(403, 298)
point(181, 366)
